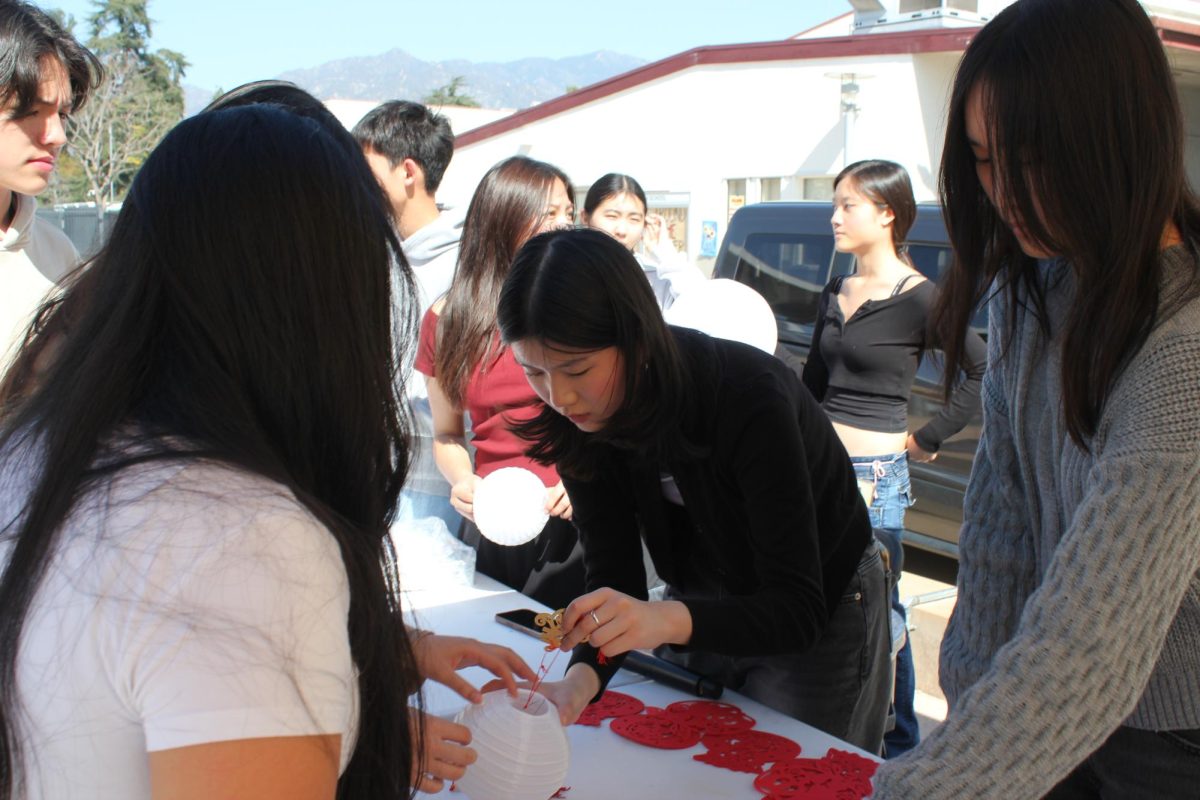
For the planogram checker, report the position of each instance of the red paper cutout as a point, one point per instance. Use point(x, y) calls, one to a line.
point(562, 792)
point(747, 751)
point(840, 775)
point(850, 765)
point(711, 717)
point(610, 704)
point(656, 729)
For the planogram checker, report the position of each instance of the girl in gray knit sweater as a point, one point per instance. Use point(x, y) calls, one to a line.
point(1072, 662)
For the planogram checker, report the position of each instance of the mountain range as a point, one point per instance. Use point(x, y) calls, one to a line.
point(515, 84)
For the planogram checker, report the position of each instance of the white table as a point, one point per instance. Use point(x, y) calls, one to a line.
point(470, 611)
point(603, 764)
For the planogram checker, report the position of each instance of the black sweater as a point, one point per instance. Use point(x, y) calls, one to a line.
point(862, 369)
point(772, 527)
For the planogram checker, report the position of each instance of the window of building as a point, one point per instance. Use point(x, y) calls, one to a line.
point(736, 195)
point(771, 189)
point(818, 188)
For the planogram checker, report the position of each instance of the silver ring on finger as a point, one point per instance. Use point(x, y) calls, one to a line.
point(595, 619)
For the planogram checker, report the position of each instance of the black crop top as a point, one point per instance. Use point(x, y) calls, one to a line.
point(862, 369)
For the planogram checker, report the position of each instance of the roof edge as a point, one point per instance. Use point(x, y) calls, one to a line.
point(1177, 33)
point(939, 40)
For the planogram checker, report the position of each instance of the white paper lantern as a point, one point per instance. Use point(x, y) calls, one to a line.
point(726, 309)
point(510, 506)
point(523, 750)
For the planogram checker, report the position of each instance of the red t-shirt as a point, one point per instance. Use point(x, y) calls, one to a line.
point(497, 395)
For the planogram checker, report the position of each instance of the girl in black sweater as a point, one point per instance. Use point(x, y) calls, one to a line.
point(713, 454)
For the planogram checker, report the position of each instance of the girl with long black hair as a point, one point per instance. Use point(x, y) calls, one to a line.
point(1072, 660)
point(200, 450)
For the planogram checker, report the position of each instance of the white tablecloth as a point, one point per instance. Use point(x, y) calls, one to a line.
point(603, 764)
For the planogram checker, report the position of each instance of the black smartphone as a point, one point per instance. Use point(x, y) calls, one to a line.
point(520, 619)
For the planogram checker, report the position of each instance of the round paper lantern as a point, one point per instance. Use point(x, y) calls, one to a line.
point(510, 506)
point(522, 748)
point(726, 309)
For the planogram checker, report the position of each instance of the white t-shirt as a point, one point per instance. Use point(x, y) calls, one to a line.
point(185, 604)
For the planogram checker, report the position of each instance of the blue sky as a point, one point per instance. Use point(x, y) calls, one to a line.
point(229, 42)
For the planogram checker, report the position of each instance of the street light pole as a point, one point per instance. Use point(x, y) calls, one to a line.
point(850, 108)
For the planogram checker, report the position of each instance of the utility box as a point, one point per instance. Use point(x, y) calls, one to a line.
point(891, 16)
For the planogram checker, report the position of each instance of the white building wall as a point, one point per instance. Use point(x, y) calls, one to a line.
point(692, 131)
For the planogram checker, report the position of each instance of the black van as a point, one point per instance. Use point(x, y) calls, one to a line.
point(785, 252)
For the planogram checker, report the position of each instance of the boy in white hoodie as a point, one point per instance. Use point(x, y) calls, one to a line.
point(44, 76)
point(408, 147)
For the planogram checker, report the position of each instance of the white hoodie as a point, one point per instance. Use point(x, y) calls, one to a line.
point(432, 253)
point(34, 256)
point(669, 271)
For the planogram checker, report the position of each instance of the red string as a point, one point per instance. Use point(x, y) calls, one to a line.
point(542, 671)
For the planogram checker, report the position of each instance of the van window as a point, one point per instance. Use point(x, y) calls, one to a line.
point(789, 270)
point(933, 260)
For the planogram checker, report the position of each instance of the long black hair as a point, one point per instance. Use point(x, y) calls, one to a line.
point(241, 312)
point(582, 289)
point(1086, 150)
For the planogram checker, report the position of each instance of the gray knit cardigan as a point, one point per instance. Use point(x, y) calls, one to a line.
point(1079, 600)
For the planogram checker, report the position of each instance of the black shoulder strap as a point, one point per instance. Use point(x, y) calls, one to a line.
point(900, 286)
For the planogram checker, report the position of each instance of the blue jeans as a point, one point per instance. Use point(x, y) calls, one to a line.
point(893, 496)
point(839, 685)
point(1134, 764)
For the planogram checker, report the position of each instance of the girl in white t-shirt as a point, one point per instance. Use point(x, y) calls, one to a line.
point(200, 451)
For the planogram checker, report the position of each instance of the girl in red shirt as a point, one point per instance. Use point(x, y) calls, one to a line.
point(468, 369)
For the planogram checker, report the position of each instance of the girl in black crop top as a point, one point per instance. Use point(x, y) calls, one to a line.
point(869, 337)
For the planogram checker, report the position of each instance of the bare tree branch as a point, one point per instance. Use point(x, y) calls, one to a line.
point(113, 133)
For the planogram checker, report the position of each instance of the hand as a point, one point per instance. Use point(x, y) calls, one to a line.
point(444, 755)
point(657, 233)
point(571, 694)
point(615, 623)
point(916, 452)
point(557, 502)
point(462, 496)
point(440, 657)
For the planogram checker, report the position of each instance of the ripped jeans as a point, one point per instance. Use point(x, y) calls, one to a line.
point(892, 495)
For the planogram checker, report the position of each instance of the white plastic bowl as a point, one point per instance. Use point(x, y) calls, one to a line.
point(510, 506)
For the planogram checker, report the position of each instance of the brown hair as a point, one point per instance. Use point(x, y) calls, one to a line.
point(504, 212)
